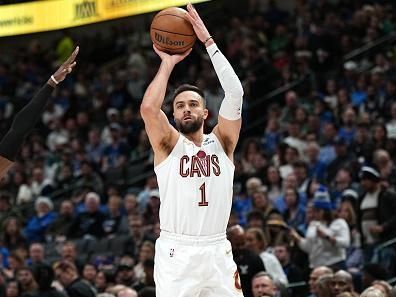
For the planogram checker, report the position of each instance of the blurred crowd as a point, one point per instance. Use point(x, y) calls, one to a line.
point(314, 210)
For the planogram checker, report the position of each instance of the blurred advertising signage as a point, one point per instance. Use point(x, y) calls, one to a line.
point(42, 16)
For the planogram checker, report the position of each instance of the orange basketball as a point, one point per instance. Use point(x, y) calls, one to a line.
point(171, 31)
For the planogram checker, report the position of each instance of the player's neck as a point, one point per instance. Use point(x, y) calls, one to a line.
point(196, 137)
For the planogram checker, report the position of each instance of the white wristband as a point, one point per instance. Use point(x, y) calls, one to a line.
point(54, 80)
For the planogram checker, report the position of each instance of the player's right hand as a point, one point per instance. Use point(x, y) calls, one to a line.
point(171, 59)
point(199, 27)
point(67, 66)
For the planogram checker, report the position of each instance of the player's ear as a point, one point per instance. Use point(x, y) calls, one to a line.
point(206, 113)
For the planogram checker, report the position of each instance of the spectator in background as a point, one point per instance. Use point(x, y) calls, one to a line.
point(89, 178)
point(362, 146)
point(114, 154)
point(324, 286)
point(137, 235)
point(69, 253)
point(292, 271)
point(125, 274)
point(261, 203)
point(148, 266)
point(12, 289)
point(112, 224)
point(13, 238)
point(272, 136)
point(88, 274)
point(327, 149)
point(131, 206)
point(316, 167)
point(37, 226)
point(59, 229)
point(317, 273)
point(102, 281)
point(248, 263)
point(256, 242)
point(44, 276)
point(26, 280)
point(89, 222)
point(347, 211)
point(66, 273)
point(263, 285)
point(144, 195)
point(386, 168)
point(146, 252)
point(94, 147)
point(378, 215)
point(383, 286)
point(36, 254)
point(327, 238)
point(244, 204)
point(40, 186)
point(372, 292)
point(294, 214)
point(151, 214)
point(6, 209)
point(274, 183)
point(342, 159)
point(342, 282)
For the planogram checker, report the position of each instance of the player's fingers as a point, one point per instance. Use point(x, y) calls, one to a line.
point(73, 55)
point(191, 19)
point(195, 12)
point(186, 53)
point(157, 50)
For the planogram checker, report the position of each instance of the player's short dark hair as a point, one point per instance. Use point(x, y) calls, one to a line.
point(187, 87)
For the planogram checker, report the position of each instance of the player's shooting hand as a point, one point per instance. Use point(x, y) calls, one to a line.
point(171, 59)
point(198, 25)
point(67, 66)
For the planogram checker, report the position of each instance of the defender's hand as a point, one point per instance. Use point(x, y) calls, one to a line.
point(66, 67)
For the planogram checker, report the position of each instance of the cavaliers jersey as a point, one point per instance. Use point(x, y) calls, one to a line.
point(195, 185)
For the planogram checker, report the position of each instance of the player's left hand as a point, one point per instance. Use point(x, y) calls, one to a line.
point(67, 66)
point(171, 60)
point(197, 23)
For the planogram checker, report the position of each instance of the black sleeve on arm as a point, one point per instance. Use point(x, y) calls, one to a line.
point(24, 122)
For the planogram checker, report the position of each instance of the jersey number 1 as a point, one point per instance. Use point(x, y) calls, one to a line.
point(203, 201)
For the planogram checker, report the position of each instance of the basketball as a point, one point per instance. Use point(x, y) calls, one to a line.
point(171, 31)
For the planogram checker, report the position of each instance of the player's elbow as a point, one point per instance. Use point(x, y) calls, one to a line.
point(237, 90)
point(147, 110)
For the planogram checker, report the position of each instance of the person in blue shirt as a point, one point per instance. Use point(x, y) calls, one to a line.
point(38, 225)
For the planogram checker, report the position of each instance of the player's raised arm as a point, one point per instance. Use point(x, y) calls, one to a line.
point(27, 117)
point(229, 121)
point(160, 132)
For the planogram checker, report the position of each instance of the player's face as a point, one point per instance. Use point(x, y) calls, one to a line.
point(189, 112)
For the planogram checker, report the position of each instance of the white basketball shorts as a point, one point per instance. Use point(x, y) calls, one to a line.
point(195, 266)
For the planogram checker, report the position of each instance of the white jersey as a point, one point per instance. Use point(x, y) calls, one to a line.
point(195, 185)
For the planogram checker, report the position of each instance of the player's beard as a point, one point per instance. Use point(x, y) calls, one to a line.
point(189, 127)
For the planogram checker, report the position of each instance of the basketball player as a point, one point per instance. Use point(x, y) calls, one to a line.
point(195, 177)
point(27, 117)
